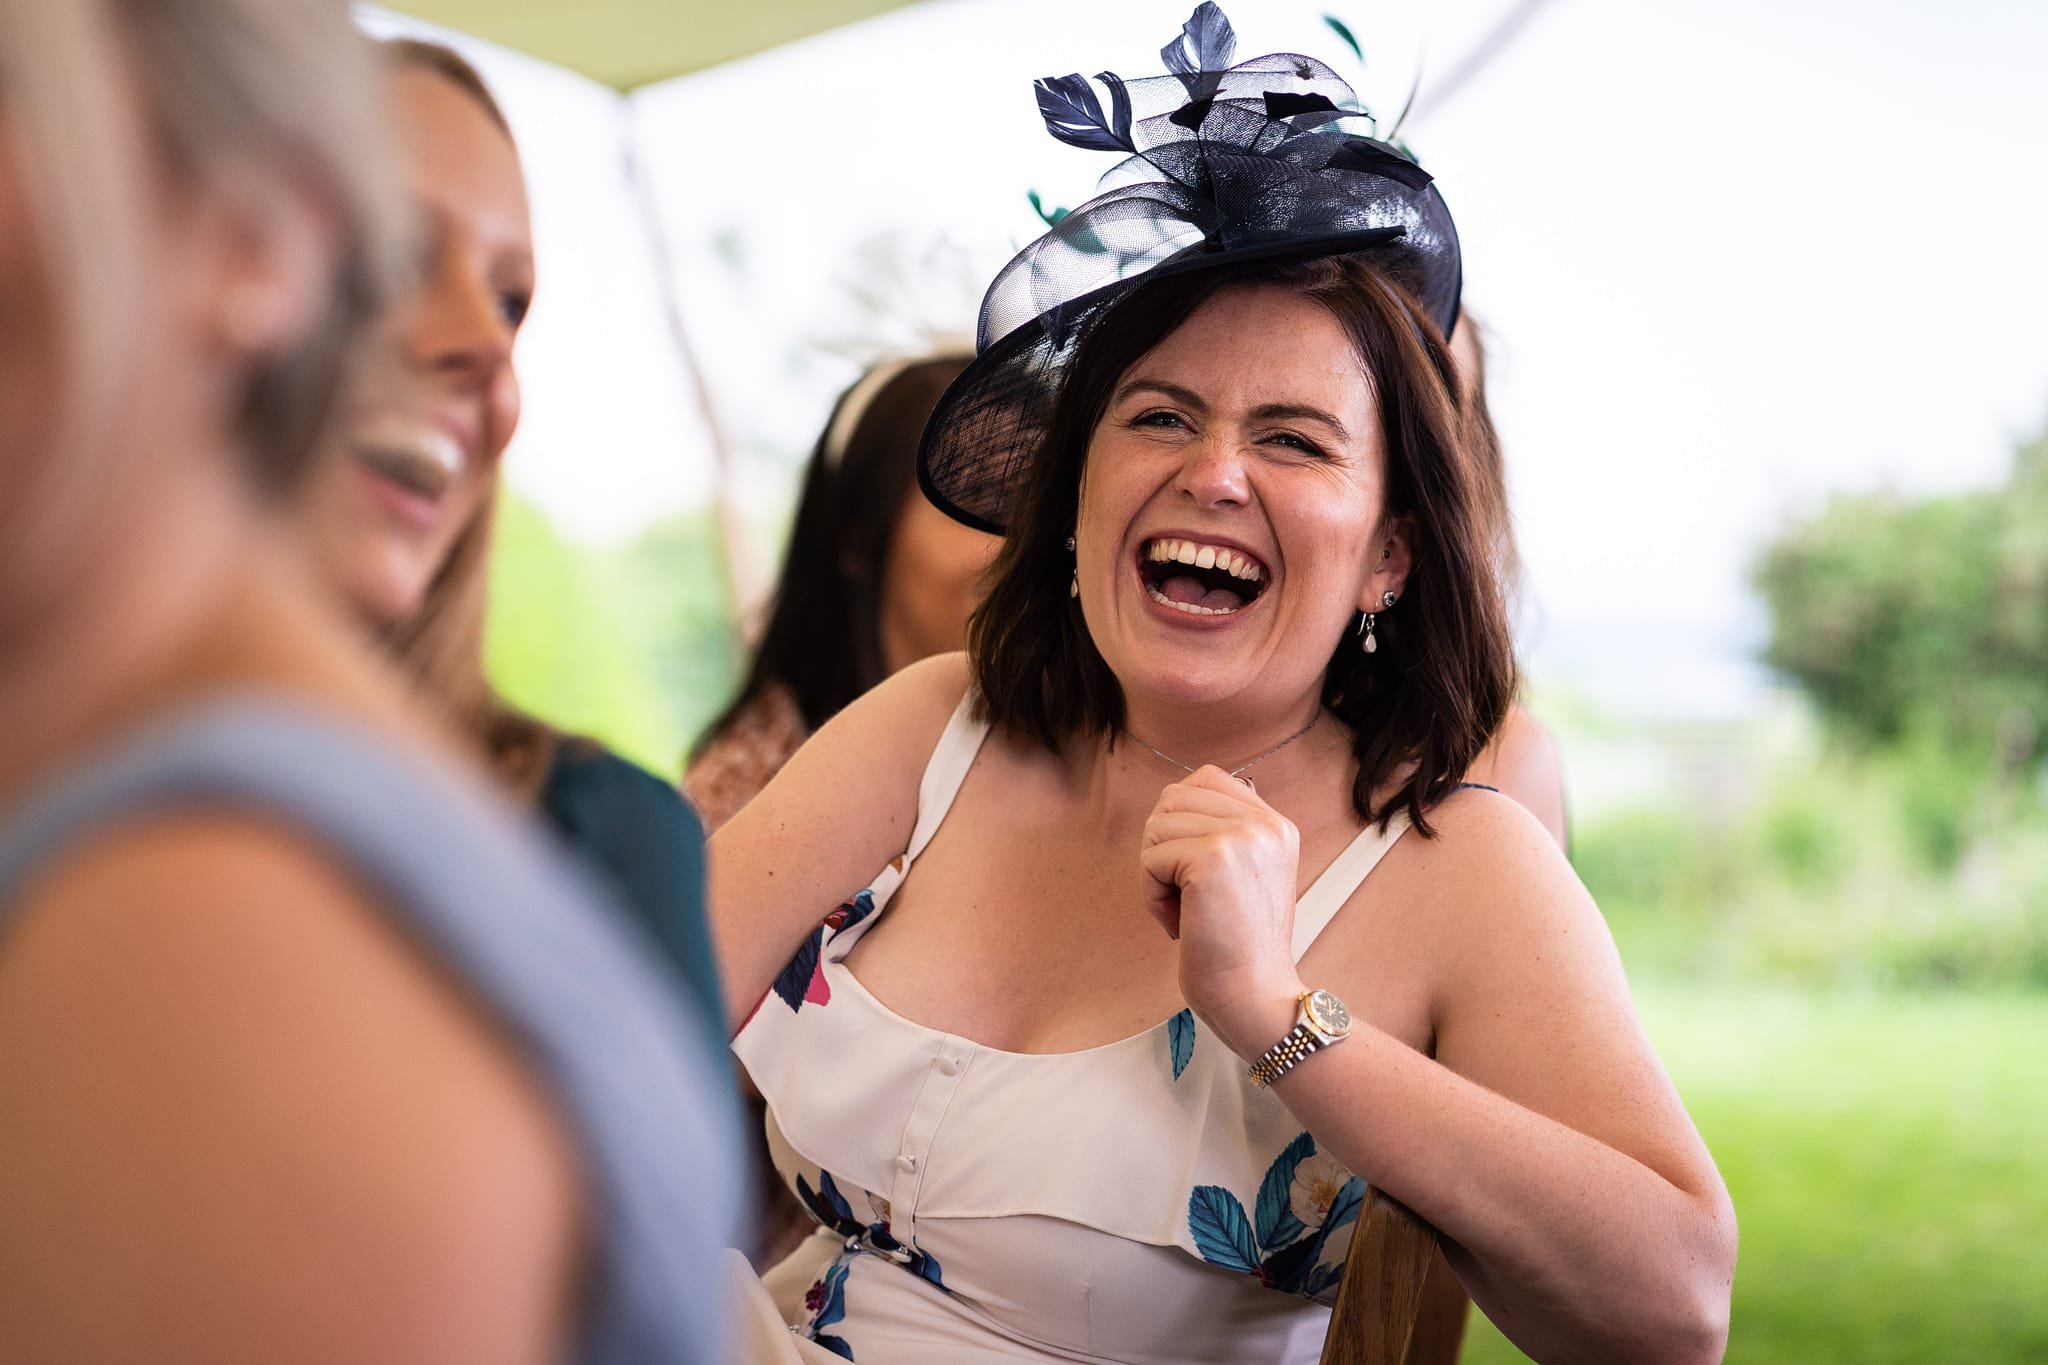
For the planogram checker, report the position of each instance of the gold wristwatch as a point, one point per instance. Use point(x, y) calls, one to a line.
point(1322, 1022)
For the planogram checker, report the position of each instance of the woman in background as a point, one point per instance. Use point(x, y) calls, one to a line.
point(400, 520)
point(875, 579)
point(306, 1052)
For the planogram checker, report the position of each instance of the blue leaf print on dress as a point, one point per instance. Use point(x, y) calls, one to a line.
point(1326, 1198)
point(832, 1210)
point(803, 982)
point(852, 913)
point(1345, 1210)
point(1322, 1280)
point(1289, 1268)
point(1303, 1199)
point(828, 1205)
point(880, 1237)
point(794, 985)
point(1277, 1225)
point(1222, 1233)
point(827, 1304)
point(1180, 1036)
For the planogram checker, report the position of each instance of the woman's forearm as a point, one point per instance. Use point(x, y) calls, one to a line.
point(1575, 1249)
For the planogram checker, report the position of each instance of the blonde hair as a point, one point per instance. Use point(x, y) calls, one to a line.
point(442, 644)
point(258, 95)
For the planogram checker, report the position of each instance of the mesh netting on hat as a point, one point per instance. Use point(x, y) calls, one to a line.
point(1223, 164)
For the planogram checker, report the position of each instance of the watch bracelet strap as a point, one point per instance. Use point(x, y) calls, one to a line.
point(1300, 1043)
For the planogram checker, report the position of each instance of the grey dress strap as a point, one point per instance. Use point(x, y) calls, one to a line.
point(537, 943)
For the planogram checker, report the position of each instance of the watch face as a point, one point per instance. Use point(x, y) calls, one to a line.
point(1328, 1014)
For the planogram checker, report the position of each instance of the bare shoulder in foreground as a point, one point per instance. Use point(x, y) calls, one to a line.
point(237, 1109)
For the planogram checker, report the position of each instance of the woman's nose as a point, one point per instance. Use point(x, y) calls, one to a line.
point(456, 326)
point(1213, 472)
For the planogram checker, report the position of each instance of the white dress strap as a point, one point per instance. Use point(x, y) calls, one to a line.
point(1345, 874)
point(958, 744)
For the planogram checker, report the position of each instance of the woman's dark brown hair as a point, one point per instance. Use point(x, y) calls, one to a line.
point(1422, 707)
point(823, 640)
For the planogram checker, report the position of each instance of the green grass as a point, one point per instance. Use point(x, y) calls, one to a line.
point(1888, 1156)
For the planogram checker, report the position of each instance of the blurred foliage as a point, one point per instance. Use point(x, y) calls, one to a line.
point(1883, 1152)
point(1906, 866)
point(629, 645)
point(672, 582)
point(1901, 615)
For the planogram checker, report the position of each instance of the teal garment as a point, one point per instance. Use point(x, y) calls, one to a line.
point(637, 833)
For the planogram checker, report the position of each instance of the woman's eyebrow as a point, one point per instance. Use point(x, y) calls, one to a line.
point(1298, 412)
point(1265, 412)
point(1187, 398)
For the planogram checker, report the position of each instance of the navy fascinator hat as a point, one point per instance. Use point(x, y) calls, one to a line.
point(1270, 157)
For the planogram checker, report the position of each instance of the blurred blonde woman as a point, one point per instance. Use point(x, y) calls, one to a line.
point(306, 1051)
point(399, 521)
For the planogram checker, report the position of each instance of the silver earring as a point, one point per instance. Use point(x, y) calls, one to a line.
point(1388, 599)
point(1368, 643)
point(1074, 583)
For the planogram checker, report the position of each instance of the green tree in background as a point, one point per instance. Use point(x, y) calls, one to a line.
point(631, 646)
point(672, 585)
point(1921, 617)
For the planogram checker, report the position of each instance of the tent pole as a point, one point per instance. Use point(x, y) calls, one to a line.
point(743, 586)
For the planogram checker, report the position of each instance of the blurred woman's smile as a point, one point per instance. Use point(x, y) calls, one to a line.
point(411, 468)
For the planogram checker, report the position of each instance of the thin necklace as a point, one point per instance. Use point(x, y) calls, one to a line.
point(1242, 767)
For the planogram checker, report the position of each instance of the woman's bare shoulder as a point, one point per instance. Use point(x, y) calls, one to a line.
point(840, 809)
point(1489, 884)
point(301, 1125)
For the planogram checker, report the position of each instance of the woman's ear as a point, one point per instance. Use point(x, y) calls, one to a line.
point(1394, 555)
point(266, 254)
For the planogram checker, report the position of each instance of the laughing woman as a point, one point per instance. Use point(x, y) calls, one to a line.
point(1164, 921)
point(400, 520)
point(306, 1052)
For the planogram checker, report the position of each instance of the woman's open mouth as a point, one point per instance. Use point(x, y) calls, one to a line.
point(423, 462)
point(1199, 578)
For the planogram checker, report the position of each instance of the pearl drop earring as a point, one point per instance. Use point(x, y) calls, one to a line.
point(1369, 643)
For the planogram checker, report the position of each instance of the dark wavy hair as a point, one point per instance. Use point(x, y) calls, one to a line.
point(1424, 706)
point(823, 639)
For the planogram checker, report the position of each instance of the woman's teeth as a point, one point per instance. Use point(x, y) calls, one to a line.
point(1200, 579)
point(1168, 551)
point(424, 461)
point(1191, 608)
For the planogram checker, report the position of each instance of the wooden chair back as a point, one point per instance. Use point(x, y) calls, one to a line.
point(1391, 1309)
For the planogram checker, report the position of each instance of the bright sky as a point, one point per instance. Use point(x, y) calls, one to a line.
point(1734, 254)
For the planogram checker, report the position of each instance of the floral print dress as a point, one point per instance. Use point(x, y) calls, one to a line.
point(1135, 1202)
